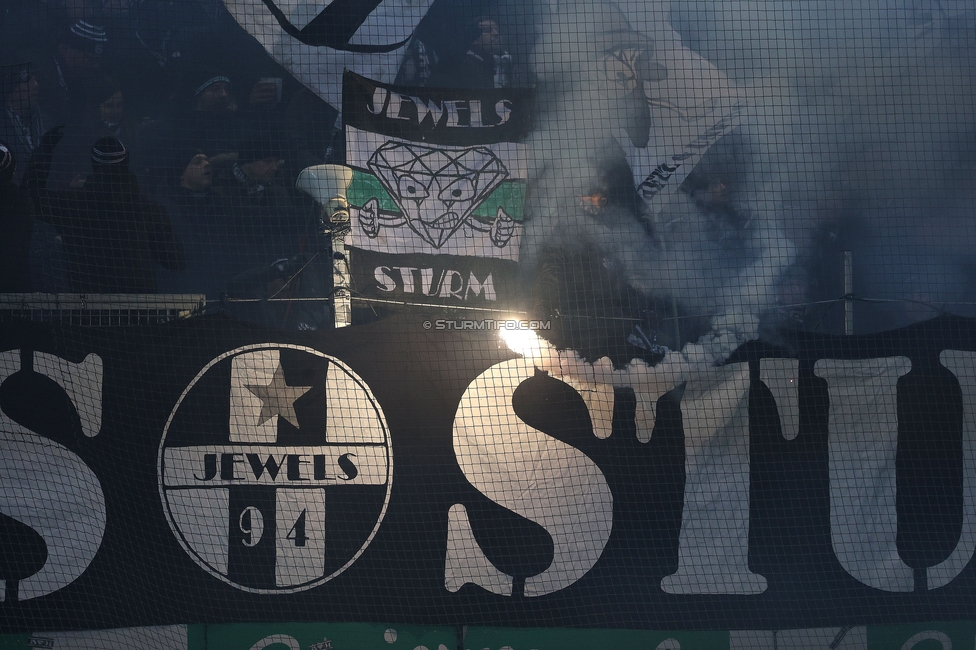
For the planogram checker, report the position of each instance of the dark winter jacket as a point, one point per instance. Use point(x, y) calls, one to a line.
point(113, 236)
point(16, 223)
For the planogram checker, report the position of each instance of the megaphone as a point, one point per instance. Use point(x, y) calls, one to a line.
point(327, 184)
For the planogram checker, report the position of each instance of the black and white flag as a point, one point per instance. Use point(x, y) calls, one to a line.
point(437, 192)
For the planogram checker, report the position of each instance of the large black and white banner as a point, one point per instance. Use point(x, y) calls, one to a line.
point(681, 104)
point(209, 472)
point(316, 43)
point(437, 191)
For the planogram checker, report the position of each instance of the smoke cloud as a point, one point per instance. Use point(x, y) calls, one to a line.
point(859, 134)
point(862, 137)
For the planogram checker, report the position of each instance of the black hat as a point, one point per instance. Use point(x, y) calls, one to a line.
point(87, 37)
point(204, 78)
point(7, 163)
point(109, 151)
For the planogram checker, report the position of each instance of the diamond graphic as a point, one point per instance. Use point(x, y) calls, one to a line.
point(436, 189)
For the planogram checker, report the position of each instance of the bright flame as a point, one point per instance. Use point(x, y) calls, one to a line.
point(520, 340)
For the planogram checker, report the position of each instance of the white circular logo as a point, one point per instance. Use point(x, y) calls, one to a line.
point(275, 468)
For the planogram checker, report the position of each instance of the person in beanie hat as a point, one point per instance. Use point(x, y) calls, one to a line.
point(213, 92)
point(104, 114)
point(16, 224)
point(109, 154)
point(21, 120)
point(485, 64)
point(86, 39)
point(67, 76)
point(206, 119)
point(113, 236)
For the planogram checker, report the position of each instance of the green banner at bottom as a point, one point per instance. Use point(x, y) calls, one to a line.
point(489, 638)
point(953, 635)
point(326, 636)
point(958, 635)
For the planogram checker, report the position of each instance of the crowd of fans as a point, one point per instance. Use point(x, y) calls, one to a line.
point(152, 146)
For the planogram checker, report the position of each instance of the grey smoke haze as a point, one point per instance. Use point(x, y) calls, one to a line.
point(863, 124)
point(860, 135)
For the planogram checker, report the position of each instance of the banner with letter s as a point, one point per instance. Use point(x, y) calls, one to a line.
point(211, 472)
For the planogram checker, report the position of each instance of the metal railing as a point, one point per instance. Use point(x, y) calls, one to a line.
point(99, 309)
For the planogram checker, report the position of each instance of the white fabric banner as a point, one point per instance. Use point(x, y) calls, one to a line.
point(320, 67)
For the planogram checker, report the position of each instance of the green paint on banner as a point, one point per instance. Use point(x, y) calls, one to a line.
point(326, 636)
point(365, 187)
point(486, 638)
point(196, 637)
point(11, 641)
point(509, 195)
point(958, 635)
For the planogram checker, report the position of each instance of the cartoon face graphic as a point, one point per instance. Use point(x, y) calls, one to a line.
point(437, 189)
